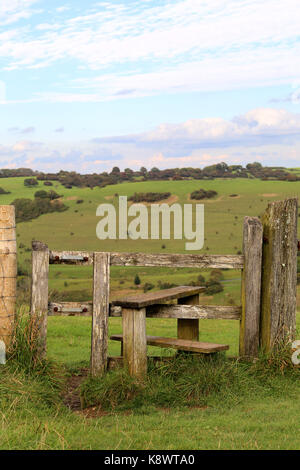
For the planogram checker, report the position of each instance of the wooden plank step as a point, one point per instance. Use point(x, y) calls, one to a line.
point(151, 298)
point(181, 344)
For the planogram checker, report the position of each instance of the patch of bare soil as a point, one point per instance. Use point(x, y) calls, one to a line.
point(269, 194)
point(108, 198)
point(72, 395)
point(170, 200)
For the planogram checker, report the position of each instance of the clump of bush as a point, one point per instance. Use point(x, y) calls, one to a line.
point(28, 209)
point(44, 194)
point(148, 286)
point(3, 191)
point(166, 285)
point(30, 182)
point(203, 194)
point(213, 287)
point(137, 280)
point(149, 197)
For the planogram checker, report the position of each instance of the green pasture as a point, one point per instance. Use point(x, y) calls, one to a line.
point(32, 415)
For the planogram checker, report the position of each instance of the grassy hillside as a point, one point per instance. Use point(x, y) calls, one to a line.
point(32, 413)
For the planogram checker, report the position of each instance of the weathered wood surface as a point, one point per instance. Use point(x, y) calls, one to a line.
point(39, 291)
point(134, 341)
point(150, 259)
point(251, 287)
point(181, 344)
point(279, 273)
point(201, 312)
point(151, 298)
point(8, 272)
point(188, 328)
point(99, 342)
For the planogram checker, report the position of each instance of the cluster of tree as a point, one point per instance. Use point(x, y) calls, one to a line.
point(28, 209)
point(17, 172)
point(149, 197)
point(219, 170)
point(202, 194)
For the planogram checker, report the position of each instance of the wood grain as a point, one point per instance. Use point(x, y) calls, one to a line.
point(251, 287)
point(150, 259)
point(181, 344)
point(188, 328)
point(202, 312)
point(151, 298)
point(8, 273)
point(279, 273)
point(134, 341)
point(99, 340)
point(39, 291)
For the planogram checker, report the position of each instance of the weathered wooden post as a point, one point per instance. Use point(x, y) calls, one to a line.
point(134, 341)
point(99, 341)
point(39, 291)
point(188, 328)
point(8, 273)
point(251, 287)
point(279, 273)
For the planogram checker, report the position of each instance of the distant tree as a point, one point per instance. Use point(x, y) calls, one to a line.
point(137, 280)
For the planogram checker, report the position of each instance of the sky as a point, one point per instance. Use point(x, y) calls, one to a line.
point(88, 85)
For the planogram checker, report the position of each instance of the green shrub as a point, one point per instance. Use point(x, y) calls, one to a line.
point(149, 197)
point(203, 194)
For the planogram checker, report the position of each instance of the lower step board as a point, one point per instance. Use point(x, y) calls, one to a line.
point(181, 344)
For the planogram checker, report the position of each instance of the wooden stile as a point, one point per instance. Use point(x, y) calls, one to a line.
point(251, 287)
point(39, 291)
point(279, 273)
point(8, 272)
point(99, 340)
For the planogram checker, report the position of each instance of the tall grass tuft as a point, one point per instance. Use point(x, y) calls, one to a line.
point(25, 345)
point(189, 381)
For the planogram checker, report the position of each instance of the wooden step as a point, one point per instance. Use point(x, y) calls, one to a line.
point(181, 344)
point(151, 298)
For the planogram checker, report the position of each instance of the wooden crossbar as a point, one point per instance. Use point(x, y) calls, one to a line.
point(152, 260)
point(201, 312)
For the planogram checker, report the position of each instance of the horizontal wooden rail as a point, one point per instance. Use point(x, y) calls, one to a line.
point(205, 312)
point(78, 309)
point(152, 260)
point(84, 309)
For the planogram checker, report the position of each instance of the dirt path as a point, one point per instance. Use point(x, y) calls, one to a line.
point(72, 396)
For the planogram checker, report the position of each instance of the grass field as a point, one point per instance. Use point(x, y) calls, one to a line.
point(33, 416)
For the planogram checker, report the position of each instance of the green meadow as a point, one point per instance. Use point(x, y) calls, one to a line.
point(32, 414)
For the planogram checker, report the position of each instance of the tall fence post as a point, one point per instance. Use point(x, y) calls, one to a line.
point(279, 273)
point(39, 291)
point(99, 341)
point(8, 273)
point(251, 287)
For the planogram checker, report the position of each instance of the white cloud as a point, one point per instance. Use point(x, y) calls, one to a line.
point(169, 47)
point(267, 135)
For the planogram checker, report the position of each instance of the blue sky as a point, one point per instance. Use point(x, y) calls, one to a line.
point(90, 85)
